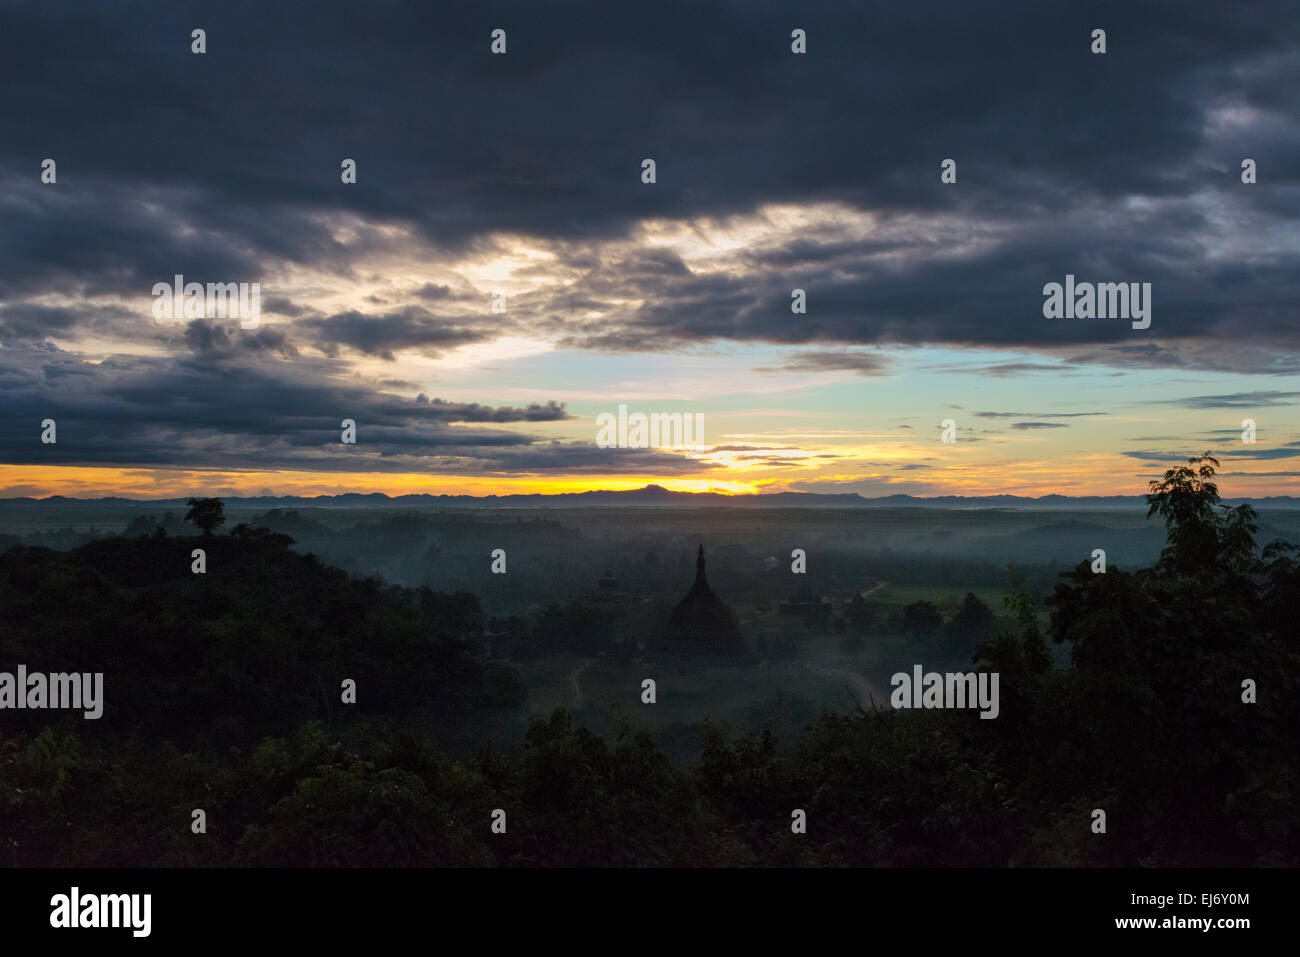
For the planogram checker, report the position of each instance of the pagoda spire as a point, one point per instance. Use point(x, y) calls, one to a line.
point(701, 623)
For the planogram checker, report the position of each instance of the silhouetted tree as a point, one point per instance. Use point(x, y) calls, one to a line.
point(859, 616)
point(1022, 603)
point(1199, 537)
point(921, 618)
point(973, 621)
point(206, 513)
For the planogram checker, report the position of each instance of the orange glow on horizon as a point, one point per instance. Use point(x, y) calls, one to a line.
point(96, 482)
point(1026, 479)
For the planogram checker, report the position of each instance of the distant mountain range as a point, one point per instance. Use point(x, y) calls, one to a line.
point(650, 496)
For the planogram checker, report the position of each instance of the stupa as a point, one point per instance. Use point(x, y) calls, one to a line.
point(701, 624)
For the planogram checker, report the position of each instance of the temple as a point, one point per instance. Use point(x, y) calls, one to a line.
point(701, 623)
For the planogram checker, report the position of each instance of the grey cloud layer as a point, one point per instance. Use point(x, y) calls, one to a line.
point(1123, 167)
point(209, 411)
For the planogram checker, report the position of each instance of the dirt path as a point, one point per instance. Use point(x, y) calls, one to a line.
point(863, 691)
point(873, 589)
point(573, 682)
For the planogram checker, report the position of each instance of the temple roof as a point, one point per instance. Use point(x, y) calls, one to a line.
point(701, 621)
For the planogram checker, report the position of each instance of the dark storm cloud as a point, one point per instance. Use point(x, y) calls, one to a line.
point(29, 323)
point(781, 460)
point(992, 297)
point(414, 327)
point(1037, 415)
point(431, 291)
point(1238, 400)
point(1235, 352)
point(204, 336)
point(210, 411)
point(1010, 369)
point(473, 412)
point(284, 307)
point(33, 323)
point(1000, 370)
point(862, 363)
point(216, 165)
point(1243, 452)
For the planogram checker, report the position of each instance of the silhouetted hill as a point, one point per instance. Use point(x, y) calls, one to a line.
point(650, 495)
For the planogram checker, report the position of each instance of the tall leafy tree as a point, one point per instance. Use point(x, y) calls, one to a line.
point(206, 513)
point(921, 618)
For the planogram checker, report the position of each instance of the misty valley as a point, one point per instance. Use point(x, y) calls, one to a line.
point(341, 671)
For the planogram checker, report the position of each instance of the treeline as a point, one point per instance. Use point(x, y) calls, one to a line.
point(257, 643)
point(1177, 718)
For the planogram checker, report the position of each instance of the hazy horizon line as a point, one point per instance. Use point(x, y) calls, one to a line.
point(658, 490)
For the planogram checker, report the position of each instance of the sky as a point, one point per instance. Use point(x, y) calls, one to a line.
point(500, 275)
